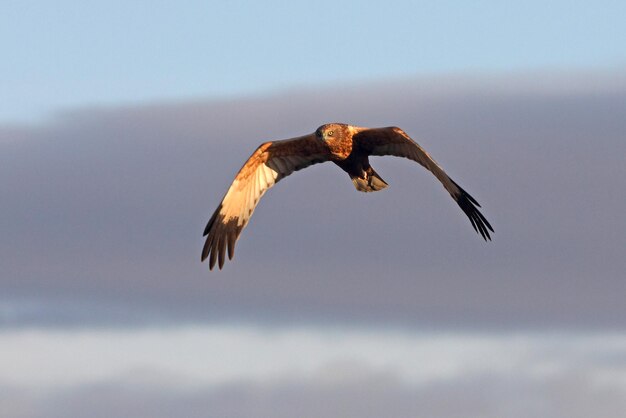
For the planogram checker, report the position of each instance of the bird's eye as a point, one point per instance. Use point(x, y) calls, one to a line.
point(330, 133)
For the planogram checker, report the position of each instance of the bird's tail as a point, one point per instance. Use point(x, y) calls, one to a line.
point(372, 182)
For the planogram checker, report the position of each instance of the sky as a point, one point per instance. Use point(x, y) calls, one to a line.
point(70, 53)
point(126, 121)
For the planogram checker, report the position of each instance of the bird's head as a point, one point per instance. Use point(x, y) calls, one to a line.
point(338, 138)
point(331, 132)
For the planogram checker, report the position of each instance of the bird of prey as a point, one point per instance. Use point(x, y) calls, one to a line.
point(348, 147)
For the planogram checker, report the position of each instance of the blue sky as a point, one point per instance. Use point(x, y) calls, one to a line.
point(71, 53)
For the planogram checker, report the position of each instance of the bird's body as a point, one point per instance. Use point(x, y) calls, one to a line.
point(349, 147)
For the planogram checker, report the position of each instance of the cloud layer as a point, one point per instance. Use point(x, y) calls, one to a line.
point(369, 395)
point(250, 372)
point(103, 211)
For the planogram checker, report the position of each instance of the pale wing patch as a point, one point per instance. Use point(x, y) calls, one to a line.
point(241, 199)
point(271, 162)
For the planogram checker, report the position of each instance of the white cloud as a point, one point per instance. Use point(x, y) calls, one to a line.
point(218, 354)
point(247, 371)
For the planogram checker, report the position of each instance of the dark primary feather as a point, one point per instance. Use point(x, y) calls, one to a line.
point(469, 205)
point(221, 237)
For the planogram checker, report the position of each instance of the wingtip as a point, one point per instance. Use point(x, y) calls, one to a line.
point(470, 206)
point(220, 242)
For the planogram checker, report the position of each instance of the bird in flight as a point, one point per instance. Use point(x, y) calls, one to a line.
point(345, 145)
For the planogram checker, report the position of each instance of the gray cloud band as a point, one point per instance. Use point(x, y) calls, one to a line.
point(103, 211)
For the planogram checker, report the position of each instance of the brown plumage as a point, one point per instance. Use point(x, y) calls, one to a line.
point(348, 147)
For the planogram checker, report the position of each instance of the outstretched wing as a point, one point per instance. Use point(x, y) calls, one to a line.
point(271, 162)
point(394, 141)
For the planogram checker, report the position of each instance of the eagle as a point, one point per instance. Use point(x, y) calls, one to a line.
point(349, 147)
